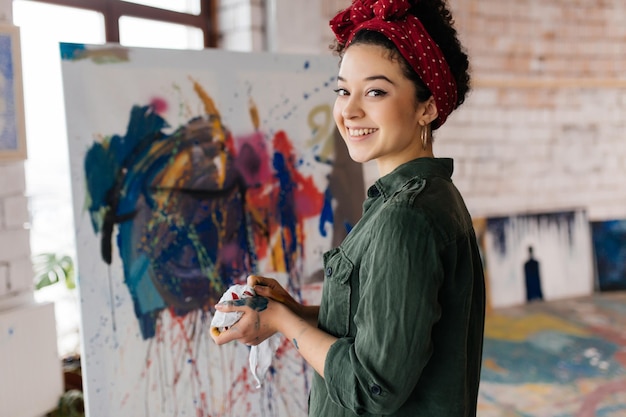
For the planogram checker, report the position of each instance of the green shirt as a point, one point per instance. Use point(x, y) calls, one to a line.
point(405, 294)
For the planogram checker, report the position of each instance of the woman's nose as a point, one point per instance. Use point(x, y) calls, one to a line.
point(352, 108)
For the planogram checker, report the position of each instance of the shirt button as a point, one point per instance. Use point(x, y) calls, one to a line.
point(375, 389)
point(329, 271)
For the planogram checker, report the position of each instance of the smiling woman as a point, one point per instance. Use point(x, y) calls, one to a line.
point(399, 330)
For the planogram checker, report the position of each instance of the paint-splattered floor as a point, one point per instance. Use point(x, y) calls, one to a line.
point(556, 359)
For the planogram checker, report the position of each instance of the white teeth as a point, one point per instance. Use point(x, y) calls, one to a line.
point(360, 132)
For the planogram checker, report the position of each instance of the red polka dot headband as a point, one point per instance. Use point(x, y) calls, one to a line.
point(391, 18)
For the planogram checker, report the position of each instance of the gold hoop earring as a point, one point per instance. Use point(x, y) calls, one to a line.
point(425, 136)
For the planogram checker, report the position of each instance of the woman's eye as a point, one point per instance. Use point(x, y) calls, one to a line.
point(341, 91)
point(376, 93)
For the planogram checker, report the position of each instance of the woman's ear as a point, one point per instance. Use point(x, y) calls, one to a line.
point(429, 111)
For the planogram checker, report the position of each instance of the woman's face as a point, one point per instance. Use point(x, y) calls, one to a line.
point(376, 109)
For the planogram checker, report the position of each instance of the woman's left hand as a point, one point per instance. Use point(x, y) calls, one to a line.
point(257, 323)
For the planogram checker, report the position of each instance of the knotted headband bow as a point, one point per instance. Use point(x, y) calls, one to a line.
point(392, 19)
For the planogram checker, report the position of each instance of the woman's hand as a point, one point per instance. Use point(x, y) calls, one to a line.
point(270, 288)
point(274, 310)
point(257, 323)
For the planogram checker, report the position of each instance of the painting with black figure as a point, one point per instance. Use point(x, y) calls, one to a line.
point(538, 256)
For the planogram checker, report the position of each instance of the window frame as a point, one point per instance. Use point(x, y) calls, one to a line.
point(112, 10)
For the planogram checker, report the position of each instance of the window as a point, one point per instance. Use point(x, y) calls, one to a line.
point(198, 14)
point(43, 24)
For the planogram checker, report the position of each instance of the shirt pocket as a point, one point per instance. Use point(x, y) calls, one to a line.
point(334, 316)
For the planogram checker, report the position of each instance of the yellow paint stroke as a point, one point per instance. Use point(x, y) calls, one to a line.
point(174, 173)
point(254, 114)
point(322, 130)
point(209, 105)
point(217, 129)
point(172, 177)
point(518, 329)
point(278, 254)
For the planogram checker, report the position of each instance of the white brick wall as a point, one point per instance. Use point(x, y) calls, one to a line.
point(294, 26)
point(12, 180)
point(15, 211)
point(16, 273)
point(241, 25)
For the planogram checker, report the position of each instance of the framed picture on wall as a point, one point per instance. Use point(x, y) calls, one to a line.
point(12, 126)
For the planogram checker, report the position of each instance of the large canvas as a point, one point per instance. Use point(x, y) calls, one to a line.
point(536, 257)
point(191, 170)
point(609, 244)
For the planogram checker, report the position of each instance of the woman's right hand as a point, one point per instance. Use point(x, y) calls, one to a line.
point(270, 288)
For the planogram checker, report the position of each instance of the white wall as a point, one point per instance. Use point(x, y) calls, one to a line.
point(241, 25)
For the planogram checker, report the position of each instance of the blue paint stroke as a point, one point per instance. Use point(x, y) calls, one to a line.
point(327, 215)
point(72, 51)
point(286, 205)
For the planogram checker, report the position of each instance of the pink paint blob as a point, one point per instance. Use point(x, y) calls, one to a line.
point(159, 105)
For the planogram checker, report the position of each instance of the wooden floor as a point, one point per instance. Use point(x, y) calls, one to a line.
point(556, 359)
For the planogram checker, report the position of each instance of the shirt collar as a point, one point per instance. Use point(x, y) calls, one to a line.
point(421, 167)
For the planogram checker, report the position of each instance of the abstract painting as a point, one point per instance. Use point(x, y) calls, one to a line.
point(609, 244)
point(12, 127)
point(191, 170)
point(536, 257)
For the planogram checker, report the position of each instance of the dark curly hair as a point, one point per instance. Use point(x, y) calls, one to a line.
point(438, 22)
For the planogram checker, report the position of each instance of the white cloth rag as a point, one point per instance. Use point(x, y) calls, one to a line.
point(260, 357)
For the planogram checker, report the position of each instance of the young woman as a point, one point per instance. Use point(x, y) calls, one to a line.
point(400, 327)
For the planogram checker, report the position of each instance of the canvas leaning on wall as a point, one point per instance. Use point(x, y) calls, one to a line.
point(538, 256)
point(12, 125)
point(191, 170)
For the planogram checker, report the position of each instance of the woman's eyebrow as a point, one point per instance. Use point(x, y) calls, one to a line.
point(370, 78)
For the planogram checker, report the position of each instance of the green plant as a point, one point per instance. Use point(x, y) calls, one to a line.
point(71, 404)
point(51, 268)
